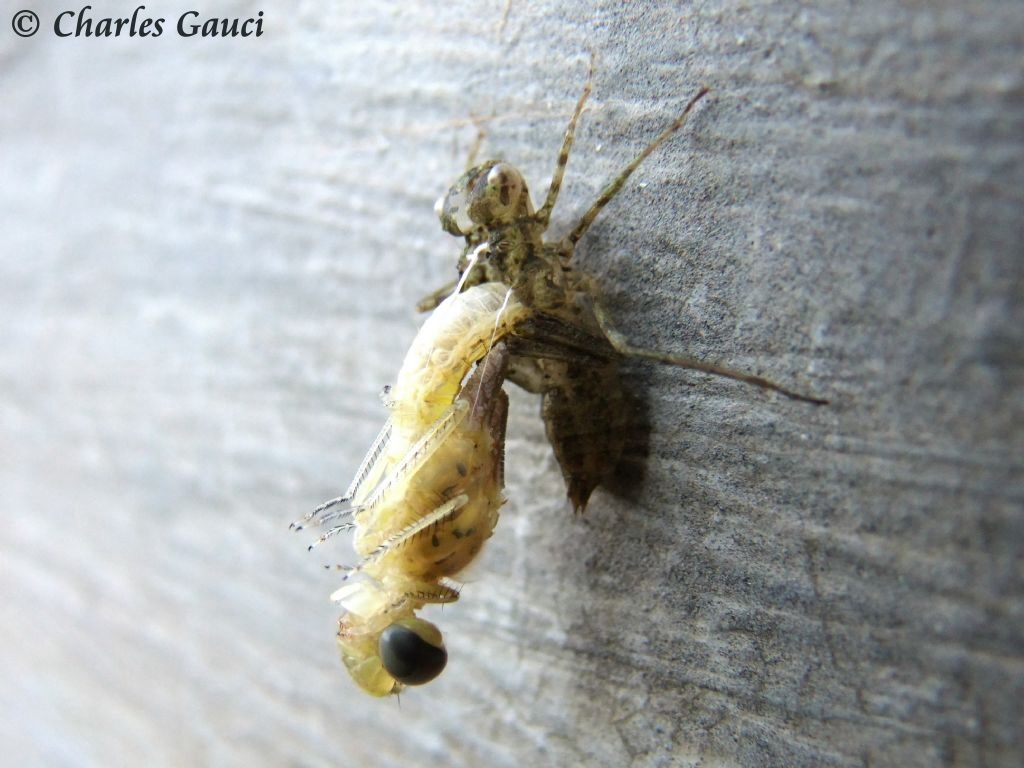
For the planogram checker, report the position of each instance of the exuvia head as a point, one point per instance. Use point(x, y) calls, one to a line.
point(488, 195)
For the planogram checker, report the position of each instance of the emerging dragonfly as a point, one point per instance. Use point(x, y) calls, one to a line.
point(427, 496)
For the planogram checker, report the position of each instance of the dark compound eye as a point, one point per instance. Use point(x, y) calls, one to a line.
point(412, 651)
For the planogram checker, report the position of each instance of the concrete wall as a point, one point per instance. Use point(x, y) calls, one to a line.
point(209, 258)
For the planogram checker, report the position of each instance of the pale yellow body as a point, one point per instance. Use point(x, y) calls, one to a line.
point(431, 495)
point(424, 412)
point(455, 336)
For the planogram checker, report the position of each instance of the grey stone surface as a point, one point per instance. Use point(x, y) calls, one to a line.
point(210, 252)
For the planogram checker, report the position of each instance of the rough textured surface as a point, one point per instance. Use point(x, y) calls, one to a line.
point(210, 254)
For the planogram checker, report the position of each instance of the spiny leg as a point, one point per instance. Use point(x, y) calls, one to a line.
point(616, 184)
point(410, 463)
point(436, 517)
point(544, 214)
point(366, 469)
point(315, 519)
point(414, 459)
point(371, 467)
point(298, 525)
point(437, 593)
point(336, 514)
point(622, 345)
point(330, 533)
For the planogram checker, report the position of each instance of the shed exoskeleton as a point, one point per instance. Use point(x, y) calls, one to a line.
point(564, 348)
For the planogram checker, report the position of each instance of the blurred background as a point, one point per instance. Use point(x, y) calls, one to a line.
point(210, 254)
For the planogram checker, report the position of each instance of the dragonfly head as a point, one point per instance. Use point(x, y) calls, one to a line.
point(408, 651)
